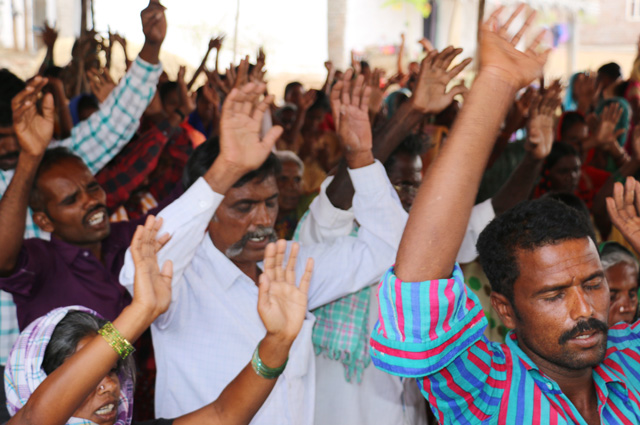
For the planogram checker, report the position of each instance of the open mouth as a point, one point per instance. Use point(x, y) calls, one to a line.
point(106, 410)
point(258, 239)
point(97, 218)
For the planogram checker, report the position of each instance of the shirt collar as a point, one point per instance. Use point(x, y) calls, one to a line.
point(68, 251)
point(223, 265)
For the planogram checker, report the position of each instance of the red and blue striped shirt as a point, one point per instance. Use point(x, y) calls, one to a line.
point(434, 331)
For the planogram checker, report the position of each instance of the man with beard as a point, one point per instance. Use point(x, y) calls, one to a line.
point(558, 365)
point(81, 263)
point(216, 271)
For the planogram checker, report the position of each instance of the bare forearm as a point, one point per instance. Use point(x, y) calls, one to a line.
point(64, 115)
point(13, 212)
point(519, 185)
point(199, 70)
point(64, 390)
point(440, 213)
point(244, 396)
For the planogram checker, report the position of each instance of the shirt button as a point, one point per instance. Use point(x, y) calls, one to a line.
point(549, 385)
point(85, 254)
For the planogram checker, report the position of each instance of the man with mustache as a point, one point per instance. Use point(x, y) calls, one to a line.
point(560, 364)
point(81, 263)
point(216, 271)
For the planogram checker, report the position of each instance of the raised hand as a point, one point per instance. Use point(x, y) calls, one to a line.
point(216, 43)
point(307, 100)
point(540, 126)
point(101, 83)
point(377, 92)
point(281, 304)
point(350, 113)
point(606, 129)
point(499, 55)
point(240, 145)
point(430, 95)
point(187, 104)
point(624, 209)
point(152, 285)
point(49, 35)
point(154, 22)
point(34, 130)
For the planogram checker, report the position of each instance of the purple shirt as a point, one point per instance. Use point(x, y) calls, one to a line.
point(51, 274)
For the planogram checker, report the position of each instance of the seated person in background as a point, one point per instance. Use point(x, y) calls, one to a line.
point(621, 270)
point(72, 365)
point(558, 365)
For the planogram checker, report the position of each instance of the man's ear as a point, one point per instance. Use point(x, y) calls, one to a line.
point(42, 221)
point(504, 308)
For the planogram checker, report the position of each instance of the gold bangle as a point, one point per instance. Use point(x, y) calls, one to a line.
point(116, 341)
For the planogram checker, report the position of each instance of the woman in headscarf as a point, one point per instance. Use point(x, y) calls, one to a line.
point(72, 367)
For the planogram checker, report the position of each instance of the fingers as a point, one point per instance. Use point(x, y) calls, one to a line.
point(272, 136)
point(28, 96)
point(290, 272)
point(516, 38)
point(503, 30)
point(306, 277)
point(460, 89)
point(270, 261)
point(459, 68)
point(264, 284)
point(281, 248)
point(346, 88)
point(167, 271)
point(136, 245)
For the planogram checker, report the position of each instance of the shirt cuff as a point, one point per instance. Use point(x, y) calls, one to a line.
point(325, 213)
point(201, 197)
point(369, 179)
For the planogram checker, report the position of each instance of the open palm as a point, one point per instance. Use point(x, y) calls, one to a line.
point(240, 142)
point(281, 304)
point(351, 113)
point(34, 130)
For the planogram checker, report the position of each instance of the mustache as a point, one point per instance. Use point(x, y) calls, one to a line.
point(235, 249)
point(92, 210)
point(9, 156)
point(591, 324)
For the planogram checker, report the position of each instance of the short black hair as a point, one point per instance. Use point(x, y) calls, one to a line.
point(75, 326)
point(322, 102)
point(412, 145)
point(569, 119)
point(87, 101)
point(611, 70)
point(558, 151)
point(49, 159)
point(10, 86)
point(291, 86)
point(166, 88)
point(527, 226)
point(204, 155)
point(572, 201)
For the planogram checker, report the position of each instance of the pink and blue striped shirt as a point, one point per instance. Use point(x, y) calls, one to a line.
point(434, 331)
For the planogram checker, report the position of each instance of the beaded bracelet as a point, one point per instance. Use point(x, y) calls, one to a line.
point(116, 341)
point(264, 370)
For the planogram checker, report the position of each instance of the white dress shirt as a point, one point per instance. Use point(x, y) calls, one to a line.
point(212, 327)
point(379, 398)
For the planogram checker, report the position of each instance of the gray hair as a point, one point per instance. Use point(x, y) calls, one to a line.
point(289, 156)
point(610, 259)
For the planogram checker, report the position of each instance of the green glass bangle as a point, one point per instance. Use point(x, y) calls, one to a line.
point(116, 341)
point(264, 370)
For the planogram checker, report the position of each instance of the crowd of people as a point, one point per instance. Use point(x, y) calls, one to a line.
point(379, 250)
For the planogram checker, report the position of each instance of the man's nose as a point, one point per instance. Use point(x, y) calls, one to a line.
point(581, 307)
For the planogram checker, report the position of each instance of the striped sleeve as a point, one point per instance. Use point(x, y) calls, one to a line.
point(99, 138)
point(424, 326)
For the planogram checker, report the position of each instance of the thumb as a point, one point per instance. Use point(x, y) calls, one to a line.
point(272, 136)
point(167, 272)
point(460, 89)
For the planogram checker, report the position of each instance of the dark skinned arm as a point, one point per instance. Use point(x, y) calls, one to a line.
point(430, 97)
point(34, 132)
point(440, 213)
